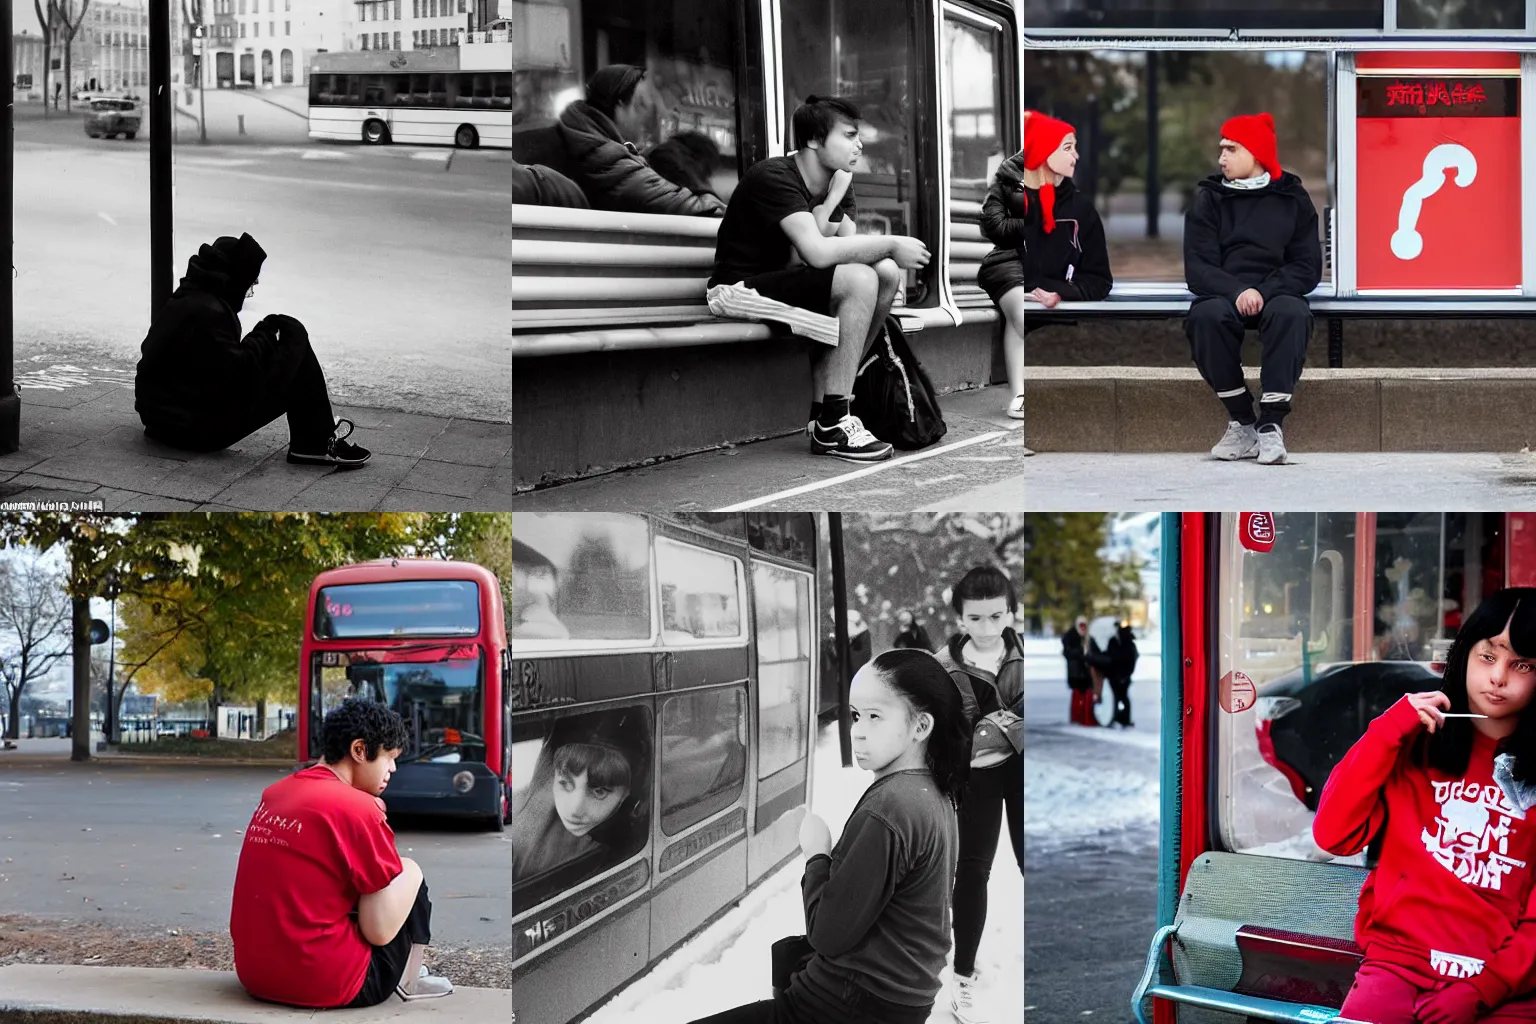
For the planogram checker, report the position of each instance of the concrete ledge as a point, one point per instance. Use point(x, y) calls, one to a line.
point(1164, 409)
point(65, 994)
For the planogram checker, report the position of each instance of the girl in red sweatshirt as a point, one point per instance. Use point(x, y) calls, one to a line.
point(1446, 918)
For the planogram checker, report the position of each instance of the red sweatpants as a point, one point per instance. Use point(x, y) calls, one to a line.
point(1380, 995)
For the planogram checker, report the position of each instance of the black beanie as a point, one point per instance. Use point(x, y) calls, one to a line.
point(245, 259)
point(611, 84)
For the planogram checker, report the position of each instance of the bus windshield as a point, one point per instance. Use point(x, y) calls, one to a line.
point(438, 690)
point(403, 608)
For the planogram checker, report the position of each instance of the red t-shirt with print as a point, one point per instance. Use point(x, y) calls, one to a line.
point(314, 846)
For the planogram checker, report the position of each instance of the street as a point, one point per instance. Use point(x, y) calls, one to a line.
point(1090, 843)
point(139, 844)
point(396, 258)
point(975, 465)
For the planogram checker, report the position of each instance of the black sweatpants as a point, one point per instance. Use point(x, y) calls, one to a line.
point(1215, 330)
point(389, 960)
point(980, 821)
point(1122, 691)
point(294, 387)
point(803, 1003)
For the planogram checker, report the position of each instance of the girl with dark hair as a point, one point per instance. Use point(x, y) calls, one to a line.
point(1442, 783)
point(985, 658)
point(877, 903)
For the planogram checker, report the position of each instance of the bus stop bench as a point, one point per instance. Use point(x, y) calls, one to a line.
point(1243, 925)
point(63, 994)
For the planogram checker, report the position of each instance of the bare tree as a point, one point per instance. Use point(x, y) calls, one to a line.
point(47, 24)
point(35, 615)
point(62, 9)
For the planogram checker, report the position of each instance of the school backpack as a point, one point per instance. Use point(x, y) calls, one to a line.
point(892, 395)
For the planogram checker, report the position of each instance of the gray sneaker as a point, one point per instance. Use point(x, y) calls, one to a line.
point(1241, 441)
point(1271, 447)
point(426, 986)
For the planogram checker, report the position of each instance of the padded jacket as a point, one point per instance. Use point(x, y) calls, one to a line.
point(615, 176)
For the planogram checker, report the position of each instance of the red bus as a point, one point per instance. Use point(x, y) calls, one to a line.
point(1284, 635)
point(428, 638)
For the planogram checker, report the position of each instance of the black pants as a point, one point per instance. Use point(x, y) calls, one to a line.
point(804, 1003)
point(389, 960)
point(294, 386)
point(1122, 691)
point(980, 822)
point(1215, 330)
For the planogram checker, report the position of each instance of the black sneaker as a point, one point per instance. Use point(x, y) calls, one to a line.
point(339, 452)
point(849, 439)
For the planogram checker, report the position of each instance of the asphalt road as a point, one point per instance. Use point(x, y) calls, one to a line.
point(397, 259)
point(136, 844)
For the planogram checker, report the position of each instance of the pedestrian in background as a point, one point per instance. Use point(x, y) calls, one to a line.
point(1122, 663)
point(910, 632)
point(1074, 648)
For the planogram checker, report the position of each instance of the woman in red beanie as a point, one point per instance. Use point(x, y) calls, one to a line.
point(1048, 237)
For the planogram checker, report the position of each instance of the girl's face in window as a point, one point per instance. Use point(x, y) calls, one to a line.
point(583, 808)
point(1500, 682)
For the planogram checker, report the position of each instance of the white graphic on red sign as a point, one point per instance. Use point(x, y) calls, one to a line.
point(1407, 243)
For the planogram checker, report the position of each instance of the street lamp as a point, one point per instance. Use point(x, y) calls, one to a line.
point(199, 46)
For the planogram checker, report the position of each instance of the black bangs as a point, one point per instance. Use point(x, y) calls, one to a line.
point(1522, 624)
point(1450, 750)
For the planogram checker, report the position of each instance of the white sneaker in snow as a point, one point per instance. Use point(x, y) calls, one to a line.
point(965, 1000)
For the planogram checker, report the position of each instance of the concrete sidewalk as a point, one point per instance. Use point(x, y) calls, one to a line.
point(60, 994)
point(85, 443)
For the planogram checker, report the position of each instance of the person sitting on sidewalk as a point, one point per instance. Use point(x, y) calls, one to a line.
point(199, 387)
point(789, 235)
point(1251, 256)
point(325, 912)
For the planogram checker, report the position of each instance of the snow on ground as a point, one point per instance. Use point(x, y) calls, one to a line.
point(1065, 806)
point(727, 964)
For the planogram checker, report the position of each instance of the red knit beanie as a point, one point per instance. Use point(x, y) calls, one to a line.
point(1042, 137)
point(1257, 133)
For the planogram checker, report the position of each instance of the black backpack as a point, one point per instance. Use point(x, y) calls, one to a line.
point(892, 395)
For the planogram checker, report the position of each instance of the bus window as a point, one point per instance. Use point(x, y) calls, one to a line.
point(430, 90)
point(855, 49)
point(320, 89)
point(397, 90)
point(581, 797)
point(787, 535)
point(374, 91)
point(782, 598)
point(703, 755)
point(439, 692)
point(700, 593)
point(1322, 633)
point(580, 577)
point(973, 104)
point(403, 608)
point(727, 523)
point(474, 90)
point(501, 96)
point(1103, 95)
point(1455, 14)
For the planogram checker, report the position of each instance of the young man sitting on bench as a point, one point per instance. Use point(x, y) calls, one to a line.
point(325, 912)
point(789, 235)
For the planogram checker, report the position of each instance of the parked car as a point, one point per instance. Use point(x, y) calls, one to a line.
point(112, 117)
point(1305, 726)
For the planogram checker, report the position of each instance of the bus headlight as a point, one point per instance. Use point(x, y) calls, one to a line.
point(464, 782)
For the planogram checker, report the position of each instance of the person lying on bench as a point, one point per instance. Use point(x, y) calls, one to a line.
point(1251, 255)
point(325, 912)
point(802, 205)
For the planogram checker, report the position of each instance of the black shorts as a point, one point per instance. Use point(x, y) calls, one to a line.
point(804, 286)
point(388, 961)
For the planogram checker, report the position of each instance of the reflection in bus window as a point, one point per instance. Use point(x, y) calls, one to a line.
point(580, 577)
point(1458, 14)
point(856, 50)
point(688, 52)
point(783, 602)
point(703, 755)
point(1103, 95)
point(787, 535)
point(1311, 652)
point(581, 799)
point(973, 111)
point(700, 593)
point(437, 690)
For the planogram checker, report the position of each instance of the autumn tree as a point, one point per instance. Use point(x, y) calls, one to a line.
point(1065, 570)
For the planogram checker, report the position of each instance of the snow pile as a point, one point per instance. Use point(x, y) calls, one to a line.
point(1066, 806)
point(727, 963)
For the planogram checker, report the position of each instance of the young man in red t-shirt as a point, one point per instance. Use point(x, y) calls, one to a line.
point(325, 912)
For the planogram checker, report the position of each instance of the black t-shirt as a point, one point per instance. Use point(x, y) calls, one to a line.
point(750, 239)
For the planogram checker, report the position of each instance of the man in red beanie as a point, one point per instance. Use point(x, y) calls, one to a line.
point(1251, 256)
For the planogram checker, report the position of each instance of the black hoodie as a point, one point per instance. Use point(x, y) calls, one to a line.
point(1262, 238)
point(1072, 261)
point(615, 176)
point(194, 370)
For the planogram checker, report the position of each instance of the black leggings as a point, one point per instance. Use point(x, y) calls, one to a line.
point(804, 1003)
point(980, 822)
point(389, 960)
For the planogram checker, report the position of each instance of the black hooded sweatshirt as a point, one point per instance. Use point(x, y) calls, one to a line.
point(194, 369)
point(615, 176)
point(1072, 261)
point(1262, 238)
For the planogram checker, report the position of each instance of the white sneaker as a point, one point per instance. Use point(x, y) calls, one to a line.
point(1016, 408)
point(1272, 447)
point(1241, 441)
point(426, 986)
point(965, 1000)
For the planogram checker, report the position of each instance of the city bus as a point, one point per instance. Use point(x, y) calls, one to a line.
point(446, 96)
point(681, 650)
point(427, 638)
point(1284, 635)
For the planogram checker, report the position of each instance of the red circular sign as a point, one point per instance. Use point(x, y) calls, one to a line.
point(1237, 692)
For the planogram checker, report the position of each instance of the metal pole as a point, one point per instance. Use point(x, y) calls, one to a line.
point(840, 635)
point(1154, 177)
point(113, 734)
point(161, 111)
point(10, 402)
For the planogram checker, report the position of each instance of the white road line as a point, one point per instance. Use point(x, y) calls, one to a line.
point(866, 471)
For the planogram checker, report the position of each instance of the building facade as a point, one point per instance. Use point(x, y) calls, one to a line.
point(261, 44)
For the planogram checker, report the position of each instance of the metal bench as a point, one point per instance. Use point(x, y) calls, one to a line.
point(1242, 924)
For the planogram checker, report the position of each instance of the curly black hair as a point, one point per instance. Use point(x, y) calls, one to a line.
point(358, 719)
